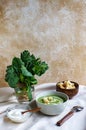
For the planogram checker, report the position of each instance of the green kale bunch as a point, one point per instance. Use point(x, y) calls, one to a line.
point(24, 69)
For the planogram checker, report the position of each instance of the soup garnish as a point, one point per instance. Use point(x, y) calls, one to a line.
point(51, 99)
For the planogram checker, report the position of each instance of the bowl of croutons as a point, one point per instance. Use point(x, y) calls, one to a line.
point(68, 87)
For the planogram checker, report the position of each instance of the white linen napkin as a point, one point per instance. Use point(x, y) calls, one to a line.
point(6, 94)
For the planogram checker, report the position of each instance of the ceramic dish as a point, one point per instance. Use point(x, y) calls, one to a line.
point(15, 115)
point(52, 109)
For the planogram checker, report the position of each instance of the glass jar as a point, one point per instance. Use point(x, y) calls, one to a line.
point(22, 94)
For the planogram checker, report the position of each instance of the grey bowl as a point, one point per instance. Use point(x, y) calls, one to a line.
point(52, 109)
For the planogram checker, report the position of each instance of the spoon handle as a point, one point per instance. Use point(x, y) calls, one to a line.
point(65, 118)
point(32, 110)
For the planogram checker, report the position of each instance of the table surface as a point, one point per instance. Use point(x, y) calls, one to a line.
point(39, 121)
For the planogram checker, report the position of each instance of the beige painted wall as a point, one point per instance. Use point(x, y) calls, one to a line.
point(51, 29)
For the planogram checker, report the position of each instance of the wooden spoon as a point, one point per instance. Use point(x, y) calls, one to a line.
point(32, 110)
point(67, 116)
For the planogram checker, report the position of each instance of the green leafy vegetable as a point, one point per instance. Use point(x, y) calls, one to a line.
point(24, 69)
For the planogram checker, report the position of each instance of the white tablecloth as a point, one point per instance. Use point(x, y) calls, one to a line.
point(39, 121)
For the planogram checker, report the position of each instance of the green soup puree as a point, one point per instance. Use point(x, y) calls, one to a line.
point(51, 99)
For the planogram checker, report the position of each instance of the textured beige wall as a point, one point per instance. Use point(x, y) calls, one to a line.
point(51, 29)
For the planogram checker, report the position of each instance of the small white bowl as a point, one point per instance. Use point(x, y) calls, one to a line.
point(52, 109)
point(15, 115)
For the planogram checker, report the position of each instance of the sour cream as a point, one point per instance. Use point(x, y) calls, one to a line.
point(16, 116)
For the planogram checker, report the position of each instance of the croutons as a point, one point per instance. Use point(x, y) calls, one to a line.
point(66, 85)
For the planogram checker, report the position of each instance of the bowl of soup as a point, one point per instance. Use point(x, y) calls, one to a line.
point(51, 102)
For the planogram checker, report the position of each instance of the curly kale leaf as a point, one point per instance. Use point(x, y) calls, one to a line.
point(29, 60)
point(17, 63)
point(25, 72)
point(25, 57)
point(31, 80)
point(40, 67)
point(11, 77)
point(33, 64)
